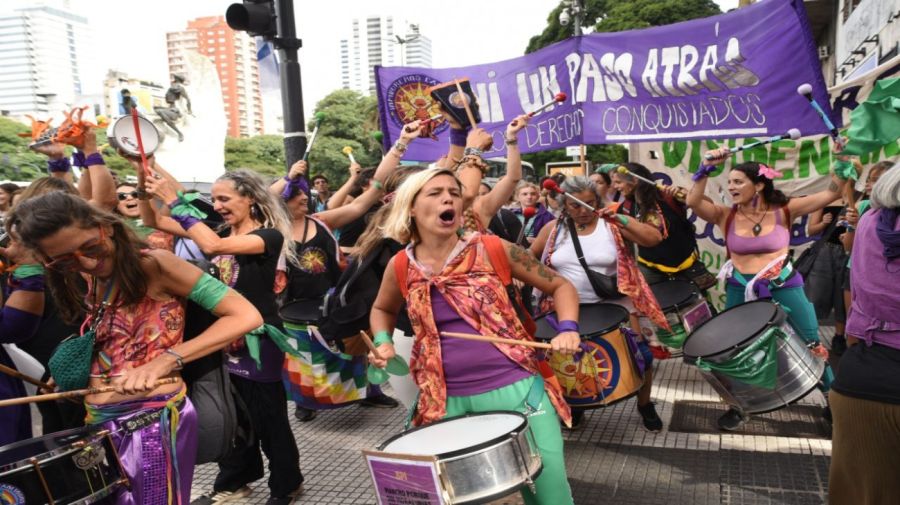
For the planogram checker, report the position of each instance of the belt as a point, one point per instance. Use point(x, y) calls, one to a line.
point(684, 265)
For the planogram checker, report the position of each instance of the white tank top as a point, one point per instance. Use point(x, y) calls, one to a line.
point(599, 250)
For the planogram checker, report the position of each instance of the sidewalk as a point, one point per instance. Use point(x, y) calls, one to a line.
point(612, 459)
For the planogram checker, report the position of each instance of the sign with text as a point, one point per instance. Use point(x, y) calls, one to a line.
point(728, 76)
point(404, 479)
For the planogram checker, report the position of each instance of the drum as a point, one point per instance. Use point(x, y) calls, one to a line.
point(74, 466)
point(481, 456)
point(121, 135)
point(737, 348)
point(608, 371)
point(322, 377)
point(685, 309)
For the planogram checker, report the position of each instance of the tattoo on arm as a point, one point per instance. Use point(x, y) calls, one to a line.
point(519, 255)
point(833, 187)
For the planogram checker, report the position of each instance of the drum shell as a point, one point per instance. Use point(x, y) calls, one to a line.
point(676, 312)
point(490, 470)
point(799, 372)
point(120, 135)
point(32, 464)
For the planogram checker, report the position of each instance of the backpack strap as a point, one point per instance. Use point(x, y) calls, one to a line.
point(401, 268)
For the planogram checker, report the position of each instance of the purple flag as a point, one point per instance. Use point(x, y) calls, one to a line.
point(728, 76)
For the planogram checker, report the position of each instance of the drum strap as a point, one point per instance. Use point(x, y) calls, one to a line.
point(535, 395)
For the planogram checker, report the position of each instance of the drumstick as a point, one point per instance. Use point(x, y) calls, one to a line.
point(465, 100)
point(27, 378)
point(140, 142)
point(496, 340)
point(370, 344)
point(73, 394)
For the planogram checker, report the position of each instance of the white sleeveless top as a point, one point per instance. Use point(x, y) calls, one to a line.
point(599, 250)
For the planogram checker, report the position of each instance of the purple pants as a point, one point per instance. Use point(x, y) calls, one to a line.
point(143, 453)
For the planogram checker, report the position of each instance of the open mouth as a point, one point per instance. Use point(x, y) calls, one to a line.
point(131, 206)
point(448, 217)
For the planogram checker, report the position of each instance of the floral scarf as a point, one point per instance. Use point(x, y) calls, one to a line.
point(473, 289)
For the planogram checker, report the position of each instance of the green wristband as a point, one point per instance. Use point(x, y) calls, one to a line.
point(208, 292)
point(27, 270)
point(622, 219)
point(377, 184)
point(383, 337)
point(844, 170)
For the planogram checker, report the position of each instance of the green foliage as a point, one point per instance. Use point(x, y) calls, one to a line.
point(17, 162)
point(262, 153)
point(597, 154)
point(555, 32)
point(115, 163)
point(635, 14)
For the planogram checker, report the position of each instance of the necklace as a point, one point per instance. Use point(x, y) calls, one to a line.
point(581, 227)
point(757, 226)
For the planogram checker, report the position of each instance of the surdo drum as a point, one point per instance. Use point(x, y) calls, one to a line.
point(685, 309)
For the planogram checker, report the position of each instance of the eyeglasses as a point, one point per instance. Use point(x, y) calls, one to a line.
point(93, 251)
point(124, 196)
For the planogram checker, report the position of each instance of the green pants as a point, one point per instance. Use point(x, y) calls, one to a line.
point(552, 485)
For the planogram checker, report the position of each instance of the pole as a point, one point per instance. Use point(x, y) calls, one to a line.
point(576, 15)
point(287, 44)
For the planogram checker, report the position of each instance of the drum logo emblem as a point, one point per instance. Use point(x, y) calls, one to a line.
point(11, 495)
point(408, 100)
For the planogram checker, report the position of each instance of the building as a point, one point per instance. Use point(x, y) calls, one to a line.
point(41, 56)
point(388, 41)
point(147, 94)
point(234, 55)
point(868, 34)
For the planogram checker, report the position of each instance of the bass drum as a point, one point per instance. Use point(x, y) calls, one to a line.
point(685, 309)
point(753, 358)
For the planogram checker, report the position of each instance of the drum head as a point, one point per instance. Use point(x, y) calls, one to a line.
point(457, 435)
point(122, 132)
point(24, 450)
point(730, 329)
point(593, 319)
point(671, 294)
point(302, 311)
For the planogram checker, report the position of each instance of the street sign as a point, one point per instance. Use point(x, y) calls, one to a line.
point(573, 151)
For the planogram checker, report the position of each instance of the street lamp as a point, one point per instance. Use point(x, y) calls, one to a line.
point(402, 41)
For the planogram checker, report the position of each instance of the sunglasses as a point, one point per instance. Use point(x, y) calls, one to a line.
point(93, 251)
point(124, 196)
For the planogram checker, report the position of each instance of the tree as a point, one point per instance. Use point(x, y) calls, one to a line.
point(17, 161)
point(262, 153)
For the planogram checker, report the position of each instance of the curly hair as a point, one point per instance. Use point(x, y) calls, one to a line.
point(771, 195)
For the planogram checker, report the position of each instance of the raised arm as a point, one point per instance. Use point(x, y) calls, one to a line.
point(96, 184)
point(469, 173)
point(489, 204)
point(703, 207)
point(803, 205)
point(298, 170)
point(339, 198)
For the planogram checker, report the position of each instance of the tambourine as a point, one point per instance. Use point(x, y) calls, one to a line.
point(120, 135)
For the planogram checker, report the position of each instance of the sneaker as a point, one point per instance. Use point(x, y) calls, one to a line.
point(304, 415)
point(285, 500)
point(838, 345)
point(577, 420)
point(223, 496)
point(651, 419)
point(380, 401)
point(732, 420)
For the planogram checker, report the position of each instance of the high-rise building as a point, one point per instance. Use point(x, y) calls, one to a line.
point(234, 55)
point(41, 59)
point(380, 40)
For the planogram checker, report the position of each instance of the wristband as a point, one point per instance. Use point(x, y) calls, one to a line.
point(622, 219)
point(703, 172)
point(512, 142)
point(60, 165)
point(182, 206)
point(179, 361)
point(400, 147)
point(27, 270)
point(567, 325)
point(382, 337)
point(294, 187)
point(472, 151)
point(844, 170)
point(80, 160)
point(377, 184)
point(458, 137)
point(35, 284)
point(185, 221)
point(208, 292)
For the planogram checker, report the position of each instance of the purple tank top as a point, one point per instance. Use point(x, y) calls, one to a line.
point(774, 241)
point(470, 367)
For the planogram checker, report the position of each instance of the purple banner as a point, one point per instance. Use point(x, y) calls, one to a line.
point(728, 76)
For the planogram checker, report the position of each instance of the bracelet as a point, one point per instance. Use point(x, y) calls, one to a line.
point(382, 337)
point(703, 172)
point(622, 219)
point(475, 161)
point(60, 165)
point(377, 184)
point(179, 361)
point(512, 142)
point(458, 137)
point(472, 151)
point(82, 161)
point(400, 147)
point(567, 325)
point(844, 170)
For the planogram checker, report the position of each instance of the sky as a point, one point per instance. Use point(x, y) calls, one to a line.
point(130, 35)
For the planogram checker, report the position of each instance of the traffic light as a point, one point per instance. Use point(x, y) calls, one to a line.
point(256, 17)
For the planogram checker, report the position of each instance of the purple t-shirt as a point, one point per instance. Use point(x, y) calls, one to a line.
point(470, 367)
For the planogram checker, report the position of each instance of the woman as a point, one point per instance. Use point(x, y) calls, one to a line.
point(676, 256)
point(256, 234)
point(601, 178)
point(865, 397)
point(135, 301)
point(130, 210)
point(7, 189)
point(447, 276)
point(605, 252)
point(757, 237)
point(527, 194)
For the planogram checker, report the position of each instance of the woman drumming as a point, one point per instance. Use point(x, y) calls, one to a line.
point(449, 280)
point(135, 306)
point(757, 237)
point(865, 396)
point(256, 234)
point(605, 252)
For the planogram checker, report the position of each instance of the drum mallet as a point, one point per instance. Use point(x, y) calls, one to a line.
point(792, 134)
point(75, 393)
point(551, 185)
point(394, 366)
point(622, 169)
point(320, 116)
point(527, 214)
point(12, 372)
point(140, 142)
point(806, 89)
point(497, 340)
point(349, 152)
point(558, 98)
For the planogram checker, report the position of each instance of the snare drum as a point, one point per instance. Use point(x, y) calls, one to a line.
point(322, 377)
point(722, 339)
point(608, 372)
point(685, 309)
point(74, 466)
point(121, 135)
point(481, 456)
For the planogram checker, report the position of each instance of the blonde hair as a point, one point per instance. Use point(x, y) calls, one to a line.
point(373, 236)
point(399, 224)
point(526, 184)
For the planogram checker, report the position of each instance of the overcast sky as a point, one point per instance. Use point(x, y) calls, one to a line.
point(130, 34)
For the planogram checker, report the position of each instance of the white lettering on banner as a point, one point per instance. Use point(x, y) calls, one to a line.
point(537, 88)
point(732, 74)
point(631, 121)
point(488, 98)
point(559, 129)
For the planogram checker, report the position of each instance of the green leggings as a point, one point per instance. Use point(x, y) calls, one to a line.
point(552, 485)
point(800, 310)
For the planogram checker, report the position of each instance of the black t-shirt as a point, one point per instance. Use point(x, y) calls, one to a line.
point(679, 240)
point(351, 232)
point(318, 268)
point(506, 225)
point(835, 212)
point(253, 275)
point(870, 373)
